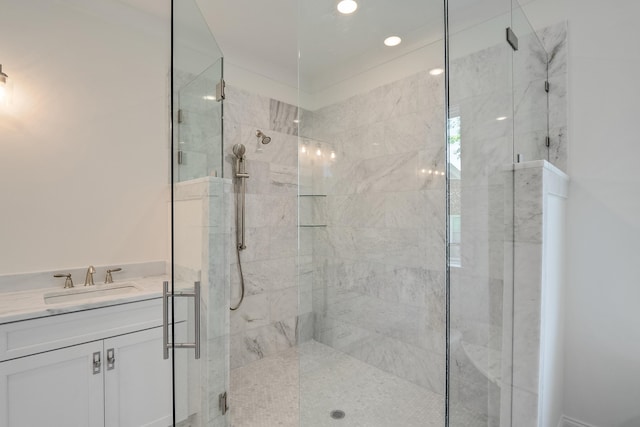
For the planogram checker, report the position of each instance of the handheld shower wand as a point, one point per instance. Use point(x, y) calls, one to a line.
point(241, 176)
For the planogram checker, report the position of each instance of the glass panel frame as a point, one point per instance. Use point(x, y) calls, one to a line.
point(200, 223)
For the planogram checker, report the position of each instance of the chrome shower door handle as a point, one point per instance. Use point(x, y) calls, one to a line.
point(165, 319)
point(196, 315)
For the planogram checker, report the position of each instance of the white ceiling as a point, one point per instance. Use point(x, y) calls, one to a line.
point(265, 36)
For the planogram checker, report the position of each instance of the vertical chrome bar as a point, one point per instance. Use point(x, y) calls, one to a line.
point(165, 320)
point(196, 309)
point(241, 245)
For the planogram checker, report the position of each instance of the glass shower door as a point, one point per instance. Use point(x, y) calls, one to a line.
point(199, 339)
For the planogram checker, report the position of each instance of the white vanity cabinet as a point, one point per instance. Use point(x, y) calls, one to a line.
point(100, 367)
point(137, 383)
point(57, 388)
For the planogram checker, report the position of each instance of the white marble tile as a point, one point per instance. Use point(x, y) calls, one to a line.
point(558, 149)
point(396, 172)
point(283, 242)
point(530, 105)
point(246, 108)
point(268, 275)
point(257, 241)
point(283, 178)
point(400, 97)
point(527, 315)
point(530, 60)
point(252, 313)
point(362, 142)
point(481, 73)
point(554, 39)
point(255, 344)
point(259, 177)
point(524, 408)
point(358, 210)
point(282, 116)
point(430, 91)
point(271, 210)
point(558, 101)
point(283, 304)
point(528, 205)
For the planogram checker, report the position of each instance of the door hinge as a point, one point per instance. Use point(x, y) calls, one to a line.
point(97, 363)
point(180, 157)
point(547, 86)
point(547, 141)
point(512, 39)
point(180, 116)
point(111, 359)
point(220, 95)
point(222, 403)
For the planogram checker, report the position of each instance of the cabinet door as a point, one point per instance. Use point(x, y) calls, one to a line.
point(58, 388)
point(138, 381)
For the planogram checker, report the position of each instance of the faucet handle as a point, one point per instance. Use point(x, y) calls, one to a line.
point(109, 278)
point(68, 283)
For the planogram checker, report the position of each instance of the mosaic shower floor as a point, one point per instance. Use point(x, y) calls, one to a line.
point(301, 387)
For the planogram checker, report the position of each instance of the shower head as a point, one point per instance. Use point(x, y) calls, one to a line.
point(239, 150)
point(263, 138)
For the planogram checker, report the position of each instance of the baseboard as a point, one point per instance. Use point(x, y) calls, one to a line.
point(572, 422)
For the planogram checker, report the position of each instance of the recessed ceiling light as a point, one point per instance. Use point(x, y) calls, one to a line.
point(347, 6)
point(436, 71)
point(392, 41)
point(501, 118)
point(209, 98)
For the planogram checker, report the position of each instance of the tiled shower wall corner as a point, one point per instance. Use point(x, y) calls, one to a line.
point(375, 165)
point(555, 41)
point(270, 319)
point(371, 257)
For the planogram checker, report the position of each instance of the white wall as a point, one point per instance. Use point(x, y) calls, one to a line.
point(84, 146)
point(603, 295)
point(602, 369)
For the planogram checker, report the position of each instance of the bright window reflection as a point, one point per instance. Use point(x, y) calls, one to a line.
point(455, 174)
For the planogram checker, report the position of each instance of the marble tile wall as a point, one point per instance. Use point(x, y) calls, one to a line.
point(273, 316)
point(486, 85)
point(530, 71)
point(375, 165)
point(199, 135)
point(554, 39)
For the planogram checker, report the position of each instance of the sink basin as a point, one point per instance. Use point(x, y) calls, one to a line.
point(86, 292)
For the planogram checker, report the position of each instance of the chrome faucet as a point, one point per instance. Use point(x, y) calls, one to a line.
point(88, 280)
point(68, 283)
point(109, 277)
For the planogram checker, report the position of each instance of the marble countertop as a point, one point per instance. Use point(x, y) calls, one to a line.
point(30, 304)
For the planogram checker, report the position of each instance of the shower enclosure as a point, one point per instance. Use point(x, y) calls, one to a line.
point(380, 269)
